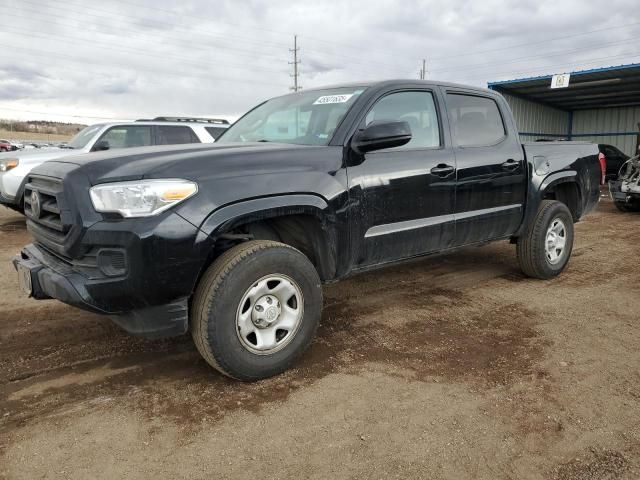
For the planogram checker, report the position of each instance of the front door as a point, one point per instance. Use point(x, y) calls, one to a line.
point(405, 196)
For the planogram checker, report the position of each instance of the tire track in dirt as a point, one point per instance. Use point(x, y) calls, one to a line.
point(451, 337)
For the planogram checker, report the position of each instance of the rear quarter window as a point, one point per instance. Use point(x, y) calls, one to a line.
point(215, 132)
point(175, 135)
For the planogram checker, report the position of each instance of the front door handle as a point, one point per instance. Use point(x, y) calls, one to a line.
point(510, 165)
point(443, 170)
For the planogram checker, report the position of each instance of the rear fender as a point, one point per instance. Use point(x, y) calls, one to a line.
point(536, 195)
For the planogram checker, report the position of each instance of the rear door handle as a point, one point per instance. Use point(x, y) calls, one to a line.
point(510, 165)
point(443, 170)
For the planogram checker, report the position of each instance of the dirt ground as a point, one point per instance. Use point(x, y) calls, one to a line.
point(453, 367)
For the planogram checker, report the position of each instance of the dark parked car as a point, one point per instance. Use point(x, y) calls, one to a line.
point(234, 240)
point(614, 158)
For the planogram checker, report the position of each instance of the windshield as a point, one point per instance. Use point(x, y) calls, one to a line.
point(308, 118)
point(83, 137)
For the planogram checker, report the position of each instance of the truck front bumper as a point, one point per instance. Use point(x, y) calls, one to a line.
point(42, 275)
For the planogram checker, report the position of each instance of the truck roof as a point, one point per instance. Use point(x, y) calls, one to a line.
point(399, 81)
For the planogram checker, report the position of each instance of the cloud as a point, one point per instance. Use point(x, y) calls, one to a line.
point(141, 58)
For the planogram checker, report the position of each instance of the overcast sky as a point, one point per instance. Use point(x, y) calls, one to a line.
point(127, 59)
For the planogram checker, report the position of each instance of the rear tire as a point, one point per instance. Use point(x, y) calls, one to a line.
point(626, 207)
point(544, 250)
point(242, 299)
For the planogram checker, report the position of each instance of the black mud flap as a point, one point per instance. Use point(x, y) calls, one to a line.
point(169, 320)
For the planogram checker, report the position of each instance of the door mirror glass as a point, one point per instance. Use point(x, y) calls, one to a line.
point(101, 145)
point(379, 135)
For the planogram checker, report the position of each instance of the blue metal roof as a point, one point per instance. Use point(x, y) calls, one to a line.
point(578, 72)
point(612, 86)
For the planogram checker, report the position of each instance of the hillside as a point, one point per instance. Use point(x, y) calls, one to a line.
point(38, 130)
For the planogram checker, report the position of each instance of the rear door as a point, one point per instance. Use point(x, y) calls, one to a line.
point(405, 195)
point(491, 177)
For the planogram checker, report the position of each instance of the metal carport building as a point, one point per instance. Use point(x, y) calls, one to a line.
point(601, 105)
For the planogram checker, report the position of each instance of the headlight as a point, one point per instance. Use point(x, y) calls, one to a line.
point(142, 198)
point(8, 164)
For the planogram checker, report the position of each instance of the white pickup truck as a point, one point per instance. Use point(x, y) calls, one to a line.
point(15, 166)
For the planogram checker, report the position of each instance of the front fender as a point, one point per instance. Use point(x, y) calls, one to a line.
point(262, 208)
point(324, 235)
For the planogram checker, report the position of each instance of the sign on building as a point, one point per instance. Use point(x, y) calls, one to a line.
point(560, 81)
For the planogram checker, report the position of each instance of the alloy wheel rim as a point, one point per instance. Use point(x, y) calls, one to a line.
point(555, 241)
point(269, 314)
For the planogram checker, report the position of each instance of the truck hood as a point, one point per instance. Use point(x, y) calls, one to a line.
point(191, 162)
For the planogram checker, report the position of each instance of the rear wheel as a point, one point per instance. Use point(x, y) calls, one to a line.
point(544, 251)
point(622, 206)
point(256, 309)
point(627, 207)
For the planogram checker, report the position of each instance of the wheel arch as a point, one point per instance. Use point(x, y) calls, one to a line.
point(565, 189)
point(544, 191)
point(302, 221)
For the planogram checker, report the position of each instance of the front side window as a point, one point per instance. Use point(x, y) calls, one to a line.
point(475, 121)
point(417, 109)
point(306, 118)
point(175, 135)
point(128, 136)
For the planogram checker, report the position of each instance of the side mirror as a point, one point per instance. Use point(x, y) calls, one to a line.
point(382, 134)
point(100, 146)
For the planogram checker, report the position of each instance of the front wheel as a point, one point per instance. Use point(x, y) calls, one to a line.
point(256, 309)
point(544, 251)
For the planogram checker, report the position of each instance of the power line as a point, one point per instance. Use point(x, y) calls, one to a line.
point(144, 53)
point(547, 40)
point(324, 53)
point(190, 30)
point(295, 64)
point(532, 57)
point(180, 74)
point(359, 48)
point(277, 32)
point(630, 55)
point(218, 47)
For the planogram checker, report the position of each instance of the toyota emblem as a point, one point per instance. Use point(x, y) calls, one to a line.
point(36, 208)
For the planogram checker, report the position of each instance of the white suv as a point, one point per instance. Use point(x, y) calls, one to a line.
point(15, 166)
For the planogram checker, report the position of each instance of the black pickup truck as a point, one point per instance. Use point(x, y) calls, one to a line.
point(233, 241)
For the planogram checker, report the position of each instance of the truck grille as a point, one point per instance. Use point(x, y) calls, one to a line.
point(43, 207)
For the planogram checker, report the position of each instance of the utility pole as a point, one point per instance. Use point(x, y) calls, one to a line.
point(423, 71)
point(295, 64)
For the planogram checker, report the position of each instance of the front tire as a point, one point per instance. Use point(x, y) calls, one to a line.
point(544, 251)
point(256, 310)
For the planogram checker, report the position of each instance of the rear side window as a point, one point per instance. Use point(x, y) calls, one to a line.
point(475, 121)
point(215, 132)
point(174, 135)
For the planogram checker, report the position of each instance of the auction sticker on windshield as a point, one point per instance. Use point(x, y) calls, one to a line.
point(326, 99)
